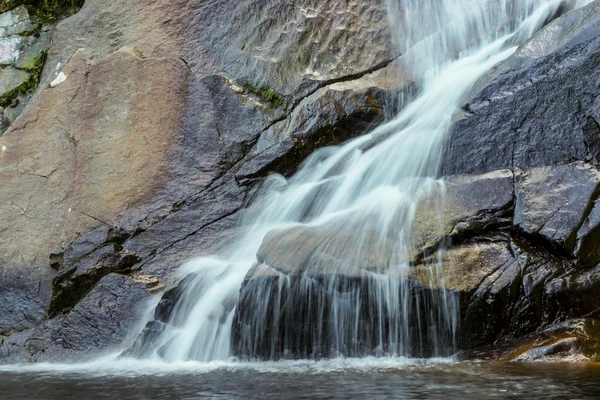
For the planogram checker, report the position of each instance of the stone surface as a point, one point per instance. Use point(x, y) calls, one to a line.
point(23, 44)
point(9, 49)
point(143, 156)
point(535, 113)
point(540, 107)
point(33, 48)
point(105, 320)
point(15, 22)
point(11, 79)
point(552, 201)
point(513, 277)
point(569, 341)
point(330, 249)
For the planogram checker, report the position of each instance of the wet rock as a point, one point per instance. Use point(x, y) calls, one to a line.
point(304, 270)
point(329, 116)
point(73, 283)
point(536, 108)
point(104, 318)
point(162, 124)
point(568, 341)
point(553, 201)
point(454, 213)
point(23, 299)
point(464, 267)
point(146, 343)
point(156, 117)
point(331, 248)
point(275, 317)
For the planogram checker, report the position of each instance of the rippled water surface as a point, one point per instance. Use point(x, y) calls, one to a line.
point(339, 379)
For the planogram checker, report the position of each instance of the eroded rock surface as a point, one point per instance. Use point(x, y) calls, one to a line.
point(141, 155)
point(535, 113)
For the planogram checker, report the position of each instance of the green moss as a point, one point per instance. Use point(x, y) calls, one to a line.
point(266, 94)
point(44, 10)
point(34, 66)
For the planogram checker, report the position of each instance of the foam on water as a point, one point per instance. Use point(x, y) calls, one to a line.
point(114, 365)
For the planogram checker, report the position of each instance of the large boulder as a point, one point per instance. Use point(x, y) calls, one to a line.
point(511, 275)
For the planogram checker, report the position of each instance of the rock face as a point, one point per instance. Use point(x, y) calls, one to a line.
point(535, 114)
point(23, 45)
point(99, 323)
point(535, 110)
point(520, 218)
point(142, 157)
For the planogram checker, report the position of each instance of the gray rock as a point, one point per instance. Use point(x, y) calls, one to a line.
point(23, 295)
point(10, 79)
point(540, 107)
point(14, 22)
point(9, 49)
point(329, 116)
point(105, 318)
point(33, 49)
point(553, 201)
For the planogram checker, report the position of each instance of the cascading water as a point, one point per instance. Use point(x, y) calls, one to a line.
point(334, 243)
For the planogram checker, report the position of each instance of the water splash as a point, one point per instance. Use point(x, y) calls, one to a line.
point(335, 242)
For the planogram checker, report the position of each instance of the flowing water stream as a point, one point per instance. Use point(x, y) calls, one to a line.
point(337, 237)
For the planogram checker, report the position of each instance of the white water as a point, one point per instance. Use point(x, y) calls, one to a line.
point(126, 367)
point(346, 201)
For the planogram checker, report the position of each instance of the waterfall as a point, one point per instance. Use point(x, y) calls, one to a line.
point(323, 269)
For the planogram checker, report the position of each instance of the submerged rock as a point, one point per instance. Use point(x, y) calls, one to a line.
point(568, 341)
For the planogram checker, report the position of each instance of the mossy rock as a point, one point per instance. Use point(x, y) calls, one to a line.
point(43, 10)
point(266, 94)
point(33, 67)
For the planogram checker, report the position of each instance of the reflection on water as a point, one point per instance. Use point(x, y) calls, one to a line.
point(337, 379)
